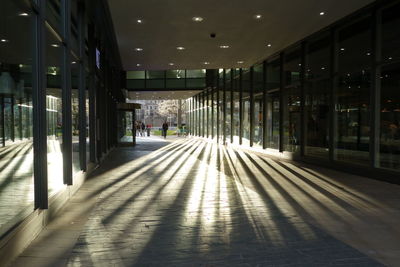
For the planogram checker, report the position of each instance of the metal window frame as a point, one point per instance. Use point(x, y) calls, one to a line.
point(39, 81)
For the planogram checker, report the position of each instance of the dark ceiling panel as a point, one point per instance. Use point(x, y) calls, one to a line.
point(168, 24)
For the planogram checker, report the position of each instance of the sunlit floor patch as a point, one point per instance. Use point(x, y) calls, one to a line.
point(193, 203)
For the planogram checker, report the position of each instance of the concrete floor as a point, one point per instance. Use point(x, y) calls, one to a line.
point(187, 202)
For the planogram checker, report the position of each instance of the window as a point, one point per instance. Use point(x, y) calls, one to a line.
point(291, 100)
point(16, 142)
point(54, 114)
point(352, 106)
point(258, 80)
point(273, 94)
point(317, 94)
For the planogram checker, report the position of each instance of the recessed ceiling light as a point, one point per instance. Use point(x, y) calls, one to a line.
point(240, 62)
point(138, 49)
point(55, 45)
point(269, 45)
point(23, 14)
point(4, 40)
point(197, 19)
point(180, 48)
point(258, 16)
point(139, 21)
point(206, 63)
point(224, 46)
point(171, 64)
point(342, 49)
point(138, 65)
point(322, 13)
point(73, 62)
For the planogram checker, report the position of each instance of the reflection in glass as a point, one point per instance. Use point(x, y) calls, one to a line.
point(16, 150)
point(273, 92)
point(54, 114)
point(75, 115)
point(246, 106)
point(352, 105)
point(228, 90)
point(236, 106)
point(291, 101)
point(258, 80)
point(316, 103)
point(390, 117)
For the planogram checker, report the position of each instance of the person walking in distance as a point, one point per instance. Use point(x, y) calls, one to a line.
point(165, 129)
point(143, 126)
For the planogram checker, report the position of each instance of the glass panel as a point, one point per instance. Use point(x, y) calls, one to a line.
point(139, 74)
point(390, 117)
point(135, 84)
point(273, 85)
point(210, 114)
point(221, 104)
point(215, 108)
point(258, 80)
point(175, 83)
point(246, 106)
point(175, 74)
point(155, 74)
point(54, 114)
point(291, 101)
point(352, 106)
point(236, 105)
point(390, 33)
point(53, 14)
point(228, 121)
point(316, 103)
point(155, 83)
point(87, 130)
point(196, 73)
point(75, 115)
point(16, 151)
point(196, 83)
point(74, 26)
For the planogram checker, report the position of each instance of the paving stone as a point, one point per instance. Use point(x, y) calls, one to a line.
point(194, 203)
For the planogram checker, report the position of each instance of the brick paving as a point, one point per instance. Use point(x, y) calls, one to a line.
point(194, 203)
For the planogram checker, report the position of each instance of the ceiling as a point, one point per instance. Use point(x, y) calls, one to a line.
point(168, 24)
point(160, 95)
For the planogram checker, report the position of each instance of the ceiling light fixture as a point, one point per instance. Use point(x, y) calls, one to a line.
point(322, 13)
point(23, 14)
point(138, 65)
point(269, 45)
point(258, 16)
point(171, 64)
point(197, 19)
point(55, 45)
point(240, 62)
point(224, 46)
point(138, 49)
point(139, 21)
point(206, 63)
point(342, 49)
point(180, 48)
point(4, 40)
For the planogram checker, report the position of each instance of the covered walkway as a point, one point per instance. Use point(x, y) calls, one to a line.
point(188, 202)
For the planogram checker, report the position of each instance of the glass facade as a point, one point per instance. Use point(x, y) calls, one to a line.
point(332, 96)
point(47, 80)
point(317, 97)
point(16, 119)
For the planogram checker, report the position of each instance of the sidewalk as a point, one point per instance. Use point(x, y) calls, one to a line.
point(187, 202)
